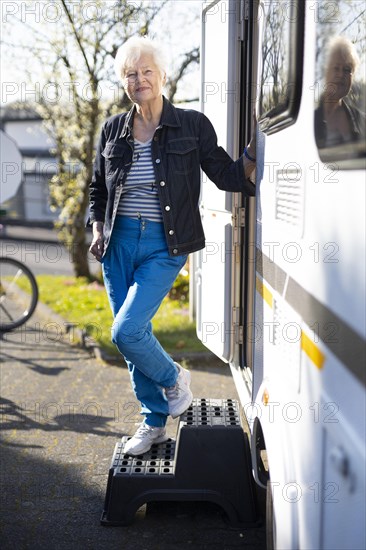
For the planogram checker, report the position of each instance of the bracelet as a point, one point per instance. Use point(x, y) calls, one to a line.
point(247, 155)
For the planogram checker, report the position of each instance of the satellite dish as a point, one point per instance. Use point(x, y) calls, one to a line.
point(11, 167)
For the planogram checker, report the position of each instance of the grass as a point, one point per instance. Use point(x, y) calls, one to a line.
point(86, 305)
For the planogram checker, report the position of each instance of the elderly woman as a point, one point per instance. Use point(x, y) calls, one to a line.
point(337, 121)
point(144, 209)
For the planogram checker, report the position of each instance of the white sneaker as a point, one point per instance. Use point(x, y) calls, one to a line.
point(144, 438)
point(179, 396)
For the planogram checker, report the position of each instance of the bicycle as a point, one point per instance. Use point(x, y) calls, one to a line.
point(18, 294)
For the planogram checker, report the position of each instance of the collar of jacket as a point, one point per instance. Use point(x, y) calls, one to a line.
point(350, 112)
point(169, 117)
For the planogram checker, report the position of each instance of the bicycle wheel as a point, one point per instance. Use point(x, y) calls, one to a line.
point(18, 294)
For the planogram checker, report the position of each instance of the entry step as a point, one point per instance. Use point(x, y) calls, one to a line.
point(158, 461)
point(212, 412)
point(208, 461)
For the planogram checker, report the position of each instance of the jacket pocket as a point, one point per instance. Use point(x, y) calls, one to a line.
point(182, 155)
point(115, 155)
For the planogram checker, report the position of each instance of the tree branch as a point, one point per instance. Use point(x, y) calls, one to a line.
point(190, 57)
point(68, 15)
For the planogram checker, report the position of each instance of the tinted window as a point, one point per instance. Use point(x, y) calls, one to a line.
point(280, 88)
point(339, 89)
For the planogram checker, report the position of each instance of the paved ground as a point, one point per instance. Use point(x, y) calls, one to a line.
point(39, 248)
point(62, 413)
point(23, 233)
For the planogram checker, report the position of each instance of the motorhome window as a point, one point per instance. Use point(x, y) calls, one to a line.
point(282, 46)
point(340, 86)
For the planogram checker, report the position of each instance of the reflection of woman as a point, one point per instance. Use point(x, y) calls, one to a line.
point(144, 207)
point(336, 120)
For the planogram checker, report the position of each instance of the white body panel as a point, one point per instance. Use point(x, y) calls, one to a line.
point(307, 386)
point(214, 265)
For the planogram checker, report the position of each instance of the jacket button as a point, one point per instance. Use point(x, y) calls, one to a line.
point(162, 183)
point(157, 161)
point(171, 232)
point(167, 208)
point(175, 250)
point(156, 138)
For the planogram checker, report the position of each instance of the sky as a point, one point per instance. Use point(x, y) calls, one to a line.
point(177, 31)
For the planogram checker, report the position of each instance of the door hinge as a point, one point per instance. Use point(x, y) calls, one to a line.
point(239, 217)
point(238, 221)
point(245, 8)
point(237, 327)
point(239, 335)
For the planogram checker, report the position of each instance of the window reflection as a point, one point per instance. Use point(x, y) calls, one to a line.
point(337, 119)
point(275, 61)
point(282, 58)
point(340, 87)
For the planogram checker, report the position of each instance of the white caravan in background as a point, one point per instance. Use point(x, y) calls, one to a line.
point(281, 283)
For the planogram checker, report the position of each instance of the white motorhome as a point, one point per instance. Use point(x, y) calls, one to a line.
point(281, 283)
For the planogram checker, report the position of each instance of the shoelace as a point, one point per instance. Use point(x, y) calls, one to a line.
point(143, 430)
point(172, 392)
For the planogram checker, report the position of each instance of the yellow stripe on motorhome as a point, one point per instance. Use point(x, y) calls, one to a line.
point(264, 292)
point(307, 345)
point(312, 351)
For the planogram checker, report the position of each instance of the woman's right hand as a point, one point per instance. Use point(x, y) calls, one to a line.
point(97, 245)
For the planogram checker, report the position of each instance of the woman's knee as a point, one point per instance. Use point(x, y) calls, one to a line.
point(126, 332)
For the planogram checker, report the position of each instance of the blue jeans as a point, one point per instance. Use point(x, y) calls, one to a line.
point(138, 273)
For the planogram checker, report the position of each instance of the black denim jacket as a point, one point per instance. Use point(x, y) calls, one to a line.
point(355, 118)
point(184, 141)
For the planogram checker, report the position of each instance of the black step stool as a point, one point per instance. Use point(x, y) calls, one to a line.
point(209, 461)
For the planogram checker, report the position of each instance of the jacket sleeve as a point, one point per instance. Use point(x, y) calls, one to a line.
point(98, 193)
point(226, 173)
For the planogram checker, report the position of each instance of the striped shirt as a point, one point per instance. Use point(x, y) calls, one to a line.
point(139, 196)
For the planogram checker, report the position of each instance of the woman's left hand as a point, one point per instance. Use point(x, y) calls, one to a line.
point(251, 149)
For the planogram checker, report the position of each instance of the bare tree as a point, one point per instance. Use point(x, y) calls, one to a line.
point(76, 59)
point(190, 57)
point(274, 50)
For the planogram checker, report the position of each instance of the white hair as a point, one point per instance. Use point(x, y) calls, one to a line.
point(344, 47)
point(131, 51)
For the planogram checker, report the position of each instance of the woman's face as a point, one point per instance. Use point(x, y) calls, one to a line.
point(143, 82)
point(338, 76)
